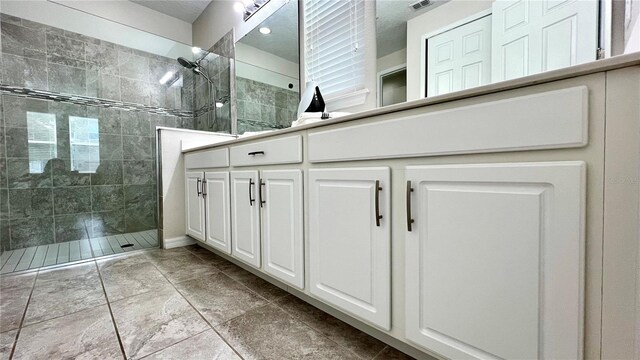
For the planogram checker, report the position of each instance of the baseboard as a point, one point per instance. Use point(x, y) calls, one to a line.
point(178, 241)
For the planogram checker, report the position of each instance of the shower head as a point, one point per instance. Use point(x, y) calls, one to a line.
point(186, 63)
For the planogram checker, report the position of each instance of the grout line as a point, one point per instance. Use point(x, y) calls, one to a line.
point(198, 312)
point(381, 351)
point(24, 315)
point(113, 320)
point(176, 343)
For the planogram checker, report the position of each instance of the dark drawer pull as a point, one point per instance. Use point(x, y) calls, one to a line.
point(409, 219)
point(378, 189)
point(253, 153)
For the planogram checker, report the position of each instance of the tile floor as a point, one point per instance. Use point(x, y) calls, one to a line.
point(184, 303)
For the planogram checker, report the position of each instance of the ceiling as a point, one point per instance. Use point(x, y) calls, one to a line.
point(187, 10)
point(391, 23)
point(283, 40)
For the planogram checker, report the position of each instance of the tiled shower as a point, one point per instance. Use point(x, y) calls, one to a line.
point(77, 134)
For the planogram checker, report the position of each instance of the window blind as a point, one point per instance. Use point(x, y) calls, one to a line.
point(334, 45)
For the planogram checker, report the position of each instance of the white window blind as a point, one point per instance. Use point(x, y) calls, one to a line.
point(84, 139)
point(334, 42)
point(42, 140)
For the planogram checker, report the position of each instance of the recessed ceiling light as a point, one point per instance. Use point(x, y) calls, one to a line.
point(265, 30)
point(238, 6)
point(195, 50)
point(166, 77)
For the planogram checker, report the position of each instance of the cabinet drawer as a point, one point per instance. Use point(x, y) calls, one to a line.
point(547, 120)
point(207, 159)
point(286, 150)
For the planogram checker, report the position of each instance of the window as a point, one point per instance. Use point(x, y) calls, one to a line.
point(42, 141)
point(84, 139)
point(334, 45)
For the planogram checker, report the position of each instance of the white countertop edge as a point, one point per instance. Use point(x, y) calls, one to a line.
point(611, 63)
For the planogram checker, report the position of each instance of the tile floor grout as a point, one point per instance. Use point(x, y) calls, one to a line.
point(24, 315)
point(198, 312)
point(113, 320)
point(269, 301)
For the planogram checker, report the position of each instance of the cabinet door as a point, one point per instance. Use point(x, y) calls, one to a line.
point(245, 219)
point(194, 205)
point(282, 234)
point(218, 210)
point(494, 260)
point(349, 251)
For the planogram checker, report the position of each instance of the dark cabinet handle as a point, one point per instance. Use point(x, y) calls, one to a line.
point(204, 187)
point(198, 187)
point(378, 189)
point(251, 199)
point(409, 219)
point(262, 201)
point(253, 153)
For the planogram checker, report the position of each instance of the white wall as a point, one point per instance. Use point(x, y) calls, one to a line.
point(101, 27)
point(134, 15)
point(250, 55)
point(392, 60)
point(172, 196)
point(428, 22)
point(632, 27)
point(220, 17)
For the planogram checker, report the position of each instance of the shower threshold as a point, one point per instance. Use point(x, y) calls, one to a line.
point(55, 254)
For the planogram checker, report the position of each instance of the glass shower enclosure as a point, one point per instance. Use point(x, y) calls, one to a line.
point(78, 118)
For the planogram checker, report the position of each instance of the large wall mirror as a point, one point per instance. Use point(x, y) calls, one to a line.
point(434, 47)
point(267, 73)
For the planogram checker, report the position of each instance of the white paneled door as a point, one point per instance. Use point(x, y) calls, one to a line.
point(245, 217)
point(495, 260)
point(349, 241)
point(532, 36)
point(194, 204)
point(218, 210)
point(459, 58)
point(282, 225)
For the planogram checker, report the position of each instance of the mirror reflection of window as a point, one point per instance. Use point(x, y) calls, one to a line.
point(42, 141)
point(84, 140)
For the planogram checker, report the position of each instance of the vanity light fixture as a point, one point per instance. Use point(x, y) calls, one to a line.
point(250, 7)
point(265, 30)
point(238, 6)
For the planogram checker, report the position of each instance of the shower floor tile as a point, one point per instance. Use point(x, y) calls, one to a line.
point(55, 254)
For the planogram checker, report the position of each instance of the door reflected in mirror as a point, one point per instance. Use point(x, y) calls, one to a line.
point(453, 45)
point(267, 73)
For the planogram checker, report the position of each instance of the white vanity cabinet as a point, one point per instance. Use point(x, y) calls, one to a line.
point(267, 222)
point(218, 210)
point(349, 241)
point(194, 205)
point(207, 204)
point(281, 202)
point(245, 218)
point(499, 247)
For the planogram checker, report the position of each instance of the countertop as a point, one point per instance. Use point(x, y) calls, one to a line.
point(611, 63)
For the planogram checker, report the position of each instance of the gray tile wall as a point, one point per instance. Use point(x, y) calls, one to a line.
point(58, 204)
point(61, 205)
point(218, 67)
point(264, 107)
point(42, 57)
